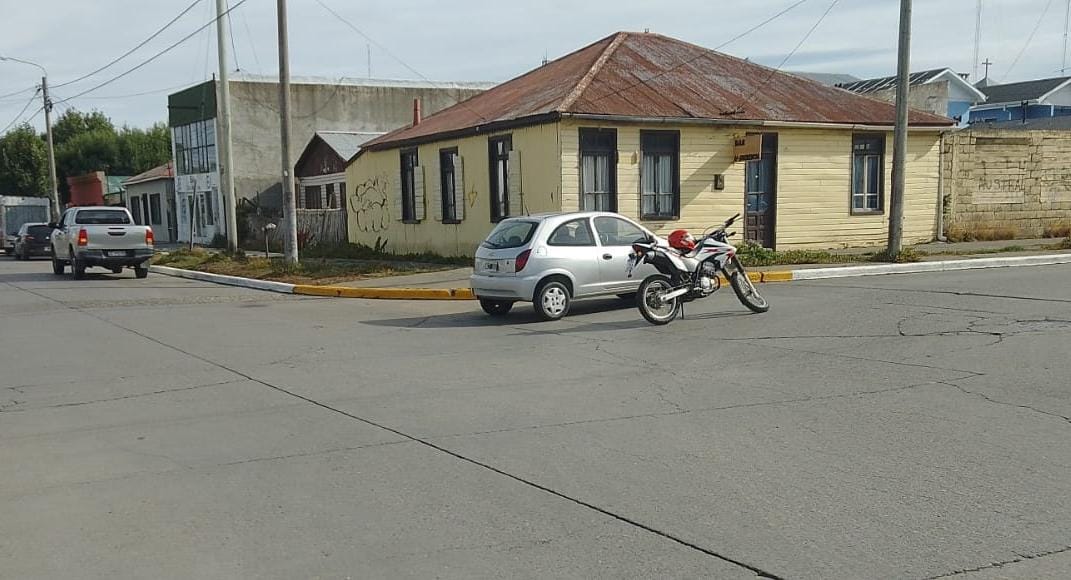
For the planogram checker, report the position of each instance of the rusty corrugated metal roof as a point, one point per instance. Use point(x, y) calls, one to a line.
point(165, 171)
point(645, 75)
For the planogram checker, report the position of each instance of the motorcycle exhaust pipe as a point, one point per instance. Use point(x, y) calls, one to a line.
point(674, 294)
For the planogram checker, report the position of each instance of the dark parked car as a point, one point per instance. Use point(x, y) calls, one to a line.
point(33, 240)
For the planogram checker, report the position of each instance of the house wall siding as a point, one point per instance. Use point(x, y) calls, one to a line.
point(813, 186)
point(373, 183)
point(813, 183)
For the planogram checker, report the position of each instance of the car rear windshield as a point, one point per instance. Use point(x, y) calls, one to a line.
point(510, 234)
point(39, 231)
point(102, 217)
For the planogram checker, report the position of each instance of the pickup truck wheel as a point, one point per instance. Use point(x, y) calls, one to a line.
point(57, 264)
point(77, 267)
point(141, 272)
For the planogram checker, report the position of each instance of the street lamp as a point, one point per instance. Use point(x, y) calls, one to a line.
point(48, 132)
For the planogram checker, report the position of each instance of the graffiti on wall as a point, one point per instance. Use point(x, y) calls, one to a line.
point(1002, 181)
point(370, 206)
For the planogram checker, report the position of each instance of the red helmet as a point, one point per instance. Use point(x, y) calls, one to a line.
point(682, 240)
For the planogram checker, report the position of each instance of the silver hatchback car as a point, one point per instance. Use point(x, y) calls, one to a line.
point(552, 259)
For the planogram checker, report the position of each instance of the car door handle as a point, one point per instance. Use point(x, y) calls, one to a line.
point(607, 257)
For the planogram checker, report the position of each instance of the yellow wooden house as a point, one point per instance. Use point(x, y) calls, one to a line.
point(662, 131)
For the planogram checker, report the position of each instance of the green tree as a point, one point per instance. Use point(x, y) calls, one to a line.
point(23, 163)
point(96, 150)
point(142, 149)
point(73, 123)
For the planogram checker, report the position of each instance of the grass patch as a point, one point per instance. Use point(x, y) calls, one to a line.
point(308, 271)
point(1058, 230)
point(752, 255)
point(351, 251)
point(981, 232)
point(904, 256)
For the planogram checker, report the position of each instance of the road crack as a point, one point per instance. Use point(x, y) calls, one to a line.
point(1001, 564)
point(1004, 403)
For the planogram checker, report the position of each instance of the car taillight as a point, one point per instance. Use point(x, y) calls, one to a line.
point(522, 260)
point(29, 238)
point(149, 239)
point(83, 237)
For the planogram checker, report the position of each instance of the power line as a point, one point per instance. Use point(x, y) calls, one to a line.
point(784, 11)
point(157, 55)
point(141, 94)
point(22, 112)
point(390, 54)
point(785, 60)
point(1029, 39)
point(18, 92)
point(132, 50)
point(249, 40)
point(234, 47)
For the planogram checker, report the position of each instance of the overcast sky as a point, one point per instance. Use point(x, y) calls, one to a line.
point(483, 40)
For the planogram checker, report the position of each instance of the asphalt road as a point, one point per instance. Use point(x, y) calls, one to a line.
point(911, 426)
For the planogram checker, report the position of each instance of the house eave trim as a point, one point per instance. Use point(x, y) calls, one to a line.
point(747, 123)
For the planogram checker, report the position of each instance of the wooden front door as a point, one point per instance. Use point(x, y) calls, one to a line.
point(760, 197)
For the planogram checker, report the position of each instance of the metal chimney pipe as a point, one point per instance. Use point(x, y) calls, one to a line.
point(416, 111)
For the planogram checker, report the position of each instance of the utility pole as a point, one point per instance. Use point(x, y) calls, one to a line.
point(1067, 24)
point(290, 249)
point(903, 66)
point(56, 209)
point(226, 165)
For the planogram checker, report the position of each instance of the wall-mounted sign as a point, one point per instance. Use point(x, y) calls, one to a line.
point(747, 148)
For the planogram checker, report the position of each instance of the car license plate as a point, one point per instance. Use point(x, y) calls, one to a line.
point(116, 254)
point(490, 266)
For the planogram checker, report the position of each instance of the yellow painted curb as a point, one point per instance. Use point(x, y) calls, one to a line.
point(457, 293)
point(386, 293)
point(777, 276)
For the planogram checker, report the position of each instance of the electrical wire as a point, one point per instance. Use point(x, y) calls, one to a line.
point(249, 40)
point(22, 112)
point(18, 92)
point(785, 60)
point(141, 94)
point(234, 47)
point(390, 54)
point(1029, 39)
point(132, 50)
point(783, 11)
point(157, 55)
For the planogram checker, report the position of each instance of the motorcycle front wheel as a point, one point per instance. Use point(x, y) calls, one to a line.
point(650, 303)
point(747, 293)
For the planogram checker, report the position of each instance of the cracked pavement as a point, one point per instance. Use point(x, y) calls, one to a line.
point(911, 426)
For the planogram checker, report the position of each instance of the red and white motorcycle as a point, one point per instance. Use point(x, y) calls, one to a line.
point(689, 271)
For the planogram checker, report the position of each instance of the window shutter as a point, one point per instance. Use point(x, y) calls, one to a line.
point(396, 193)
point(516, 205)
point(436, 197)
point(418, 193)
point(459, 188)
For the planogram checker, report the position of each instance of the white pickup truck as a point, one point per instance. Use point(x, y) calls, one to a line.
point(104, 237)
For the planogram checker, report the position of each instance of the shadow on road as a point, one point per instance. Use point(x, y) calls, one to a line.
point(14, 278)
point(523, 315)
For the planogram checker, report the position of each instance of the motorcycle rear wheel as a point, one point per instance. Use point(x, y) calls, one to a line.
point(649, 300)
point(747, 293)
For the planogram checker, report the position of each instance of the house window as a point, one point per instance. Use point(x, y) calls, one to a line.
point(312, 197)
point(498, 152)
point(660, 175)
point(154, 209)
point(447, 161)
point(195, 147)
point(868, 169)
point(598, 169)
point(409, 164)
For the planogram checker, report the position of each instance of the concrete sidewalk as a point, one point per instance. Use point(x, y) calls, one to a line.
point(459, 277)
